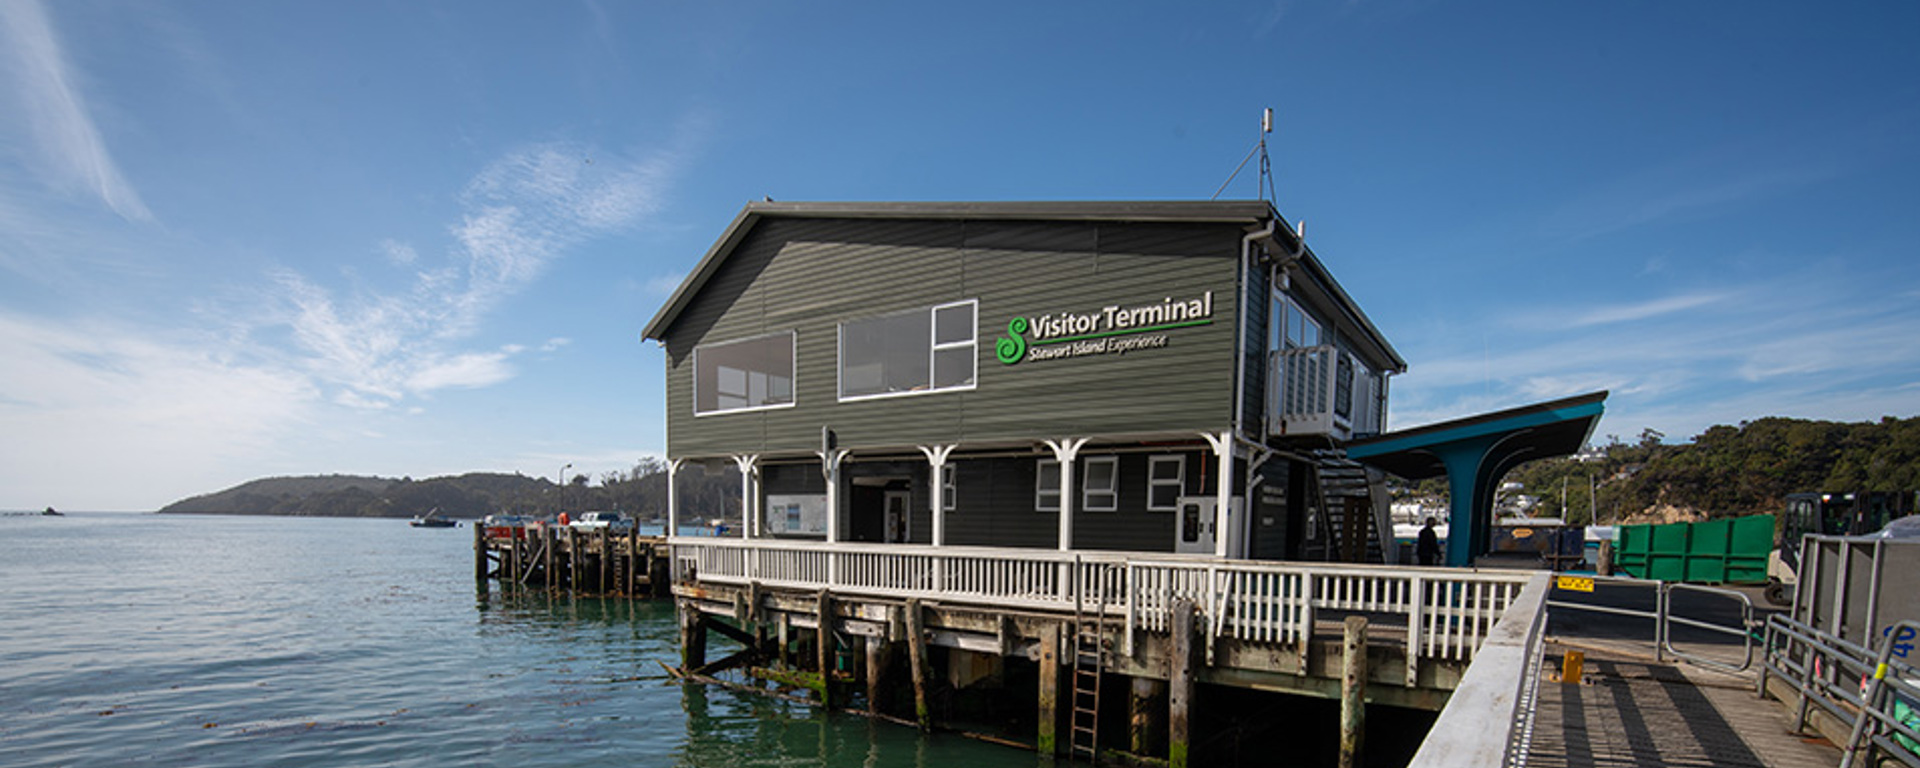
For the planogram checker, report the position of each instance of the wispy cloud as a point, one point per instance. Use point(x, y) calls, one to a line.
point(662, 285)
point(1643, 310)
point(1685, 188)
point(1788, 347)
point(68, 150)
point(151, 413)
point(521, 212)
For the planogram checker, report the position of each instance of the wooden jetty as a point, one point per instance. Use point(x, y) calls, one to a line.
point(585, 560)
point(1102, 656)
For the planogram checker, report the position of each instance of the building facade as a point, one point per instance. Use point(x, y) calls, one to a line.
point(1102, 376)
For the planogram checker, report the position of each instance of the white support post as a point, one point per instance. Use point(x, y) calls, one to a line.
point(1223, 489)
point(749, 465)
point(1064, 451)
point(673, 498)
point(830, 468)
point(937, 461)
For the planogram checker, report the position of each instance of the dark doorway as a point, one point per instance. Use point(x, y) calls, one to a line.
point(879, 510)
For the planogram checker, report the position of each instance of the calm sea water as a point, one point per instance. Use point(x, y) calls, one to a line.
point(247, 641)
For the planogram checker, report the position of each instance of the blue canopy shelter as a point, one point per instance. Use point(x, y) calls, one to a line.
point(1475, 452)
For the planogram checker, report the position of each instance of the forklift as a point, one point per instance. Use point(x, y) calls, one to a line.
point(1832, 514)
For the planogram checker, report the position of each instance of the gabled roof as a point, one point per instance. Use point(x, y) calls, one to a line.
point(1252, 214)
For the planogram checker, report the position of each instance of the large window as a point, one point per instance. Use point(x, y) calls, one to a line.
point(1166, 480)
point(924, 350)
point(744, 375)
point(1099, 493)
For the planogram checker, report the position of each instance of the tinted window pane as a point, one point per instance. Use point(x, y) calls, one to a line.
point(1163, 496)
point(953, 367)
point(953, 325)
point(744, 374)
point(1100, 474)
point(884, 355)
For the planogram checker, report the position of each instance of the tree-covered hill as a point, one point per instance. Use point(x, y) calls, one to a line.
point(641, 492)
point(261, 496)
point(1729, 470)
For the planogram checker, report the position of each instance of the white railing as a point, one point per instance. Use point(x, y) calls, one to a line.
point(1447, 612)
point(1487, 720)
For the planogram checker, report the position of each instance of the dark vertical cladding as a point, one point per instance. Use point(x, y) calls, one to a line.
point(1253, 346)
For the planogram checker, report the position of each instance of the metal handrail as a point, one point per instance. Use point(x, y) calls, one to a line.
point(1663, 619)
point(1878, 708)
point(1829, 671)
point(1744, 631)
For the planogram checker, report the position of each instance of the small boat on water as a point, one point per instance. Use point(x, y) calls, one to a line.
point(429, 521)
point(51, 512)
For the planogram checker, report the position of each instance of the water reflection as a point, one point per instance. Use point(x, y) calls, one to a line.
point(733, 727)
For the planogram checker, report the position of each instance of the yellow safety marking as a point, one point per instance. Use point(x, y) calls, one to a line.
point(1575, 583)
point(1880, 673)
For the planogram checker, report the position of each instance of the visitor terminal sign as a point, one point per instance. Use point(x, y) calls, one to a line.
point(1108, 331)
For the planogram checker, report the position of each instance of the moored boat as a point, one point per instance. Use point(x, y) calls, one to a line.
point(428, 520)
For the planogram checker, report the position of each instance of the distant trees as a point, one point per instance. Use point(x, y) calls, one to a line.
point(641, 491)
point(1726, 470)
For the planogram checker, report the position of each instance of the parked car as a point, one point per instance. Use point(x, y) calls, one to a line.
point(618, 522)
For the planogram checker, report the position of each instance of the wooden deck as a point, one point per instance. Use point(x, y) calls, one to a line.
point(1630, 711)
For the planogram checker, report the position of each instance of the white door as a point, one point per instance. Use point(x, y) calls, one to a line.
point(899, 521)
point(1193, 525)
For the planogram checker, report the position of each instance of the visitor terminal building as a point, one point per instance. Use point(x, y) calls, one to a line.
point(1138, 376)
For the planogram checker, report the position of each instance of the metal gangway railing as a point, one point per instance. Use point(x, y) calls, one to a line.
point(1875, 692)
point(1664, 616)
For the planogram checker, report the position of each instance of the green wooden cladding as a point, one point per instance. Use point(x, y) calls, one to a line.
point(1726, 551)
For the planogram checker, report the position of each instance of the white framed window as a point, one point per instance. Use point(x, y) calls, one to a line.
point(745, 375)
point(912, 352)
point(1166, 480)
point(1046, 486)
point(1100, 491)
point(1291, 327)
point(949, 489)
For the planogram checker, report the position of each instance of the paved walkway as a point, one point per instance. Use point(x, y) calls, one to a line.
point(1630, 711)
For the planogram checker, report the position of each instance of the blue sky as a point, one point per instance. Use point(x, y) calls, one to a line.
point(265, 238)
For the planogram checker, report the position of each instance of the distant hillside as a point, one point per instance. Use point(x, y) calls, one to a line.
point(470, 496)
point(641, 492)
point(1726, 470)
point(260, 497)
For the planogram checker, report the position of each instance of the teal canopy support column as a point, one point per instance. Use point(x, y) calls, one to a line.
point(1470, 520)
point(1475, 453)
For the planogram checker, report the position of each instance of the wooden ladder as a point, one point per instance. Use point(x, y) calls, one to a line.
point(1089, 660)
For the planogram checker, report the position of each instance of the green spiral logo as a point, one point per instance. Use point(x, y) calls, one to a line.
point(1013, 346)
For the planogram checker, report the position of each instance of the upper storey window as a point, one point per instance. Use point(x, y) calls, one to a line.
point(923, 350)
point(744, 375)
point(1291, 327)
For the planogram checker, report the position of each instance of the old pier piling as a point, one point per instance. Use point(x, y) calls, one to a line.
point(994, 644)
point(596, 561)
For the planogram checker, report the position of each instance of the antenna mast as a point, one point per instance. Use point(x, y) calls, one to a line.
point(1266, 190)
